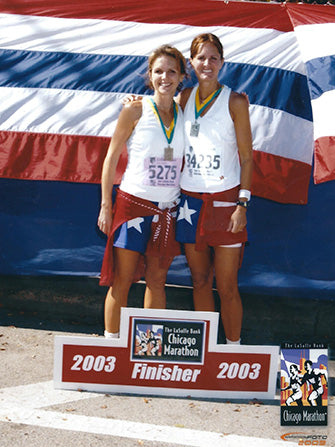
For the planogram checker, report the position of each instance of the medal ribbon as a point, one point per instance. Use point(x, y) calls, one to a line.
point(199, 108)
point(170, 131)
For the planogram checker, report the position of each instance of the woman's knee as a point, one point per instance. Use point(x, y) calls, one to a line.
point(202, 279)
point(156, 280)
point(229, 295)
point(121, 286)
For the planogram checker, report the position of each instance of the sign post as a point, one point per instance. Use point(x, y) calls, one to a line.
point(166, 353)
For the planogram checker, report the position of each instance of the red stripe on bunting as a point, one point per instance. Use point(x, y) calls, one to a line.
point(303, 14)
point(40, 156)
point(324, 159)
point(280, 179)
point(73, 158)
point(196, 13)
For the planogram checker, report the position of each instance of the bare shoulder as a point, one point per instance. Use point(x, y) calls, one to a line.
point(238, 105)
point(238, 100)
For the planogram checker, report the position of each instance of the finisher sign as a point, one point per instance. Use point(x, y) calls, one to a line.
point(166, 352)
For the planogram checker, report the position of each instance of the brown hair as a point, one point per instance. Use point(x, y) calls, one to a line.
point(166, 50)
point(205, 38)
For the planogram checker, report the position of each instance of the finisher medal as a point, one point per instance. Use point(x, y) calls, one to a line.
point(195, 129)
point(168, 153)
point(199, 107)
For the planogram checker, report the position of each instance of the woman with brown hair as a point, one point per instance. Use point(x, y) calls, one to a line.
point(215, 182)
point(142, 220)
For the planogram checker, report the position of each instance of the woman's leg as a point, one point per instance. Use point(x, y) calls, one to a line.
point(125, 267)
point(201, 266)
point(155, 278)
point(226, 264)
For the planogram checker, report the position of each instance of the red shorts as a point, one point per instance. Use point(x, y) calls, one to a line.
point(208, 221)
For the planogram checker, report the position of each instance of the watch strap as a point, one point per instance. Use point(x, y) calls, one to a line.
point(243, 203)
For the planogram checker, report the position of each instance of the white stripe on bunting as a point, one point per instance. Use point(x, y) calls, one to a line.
point(316, 40)
point(260, 46)
point(282, 134)
point(317, 44)
point(323, 111)
point(59, 111)
point(95, 113)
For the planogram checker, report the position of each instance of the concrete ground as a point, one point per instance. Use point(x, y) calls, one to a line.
point(34, 310)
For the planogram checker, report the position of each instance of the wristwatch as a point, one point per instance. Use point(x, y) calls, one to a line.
point(243, 203)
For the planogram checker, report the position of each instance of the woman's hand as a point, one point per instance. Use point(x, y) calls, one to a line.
point(131, 98)
point(238, 220)
point(246, 97)
point(105, 220)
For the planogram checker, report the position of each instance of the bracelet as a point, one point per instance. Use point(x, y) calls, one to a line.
point(242, 203)
point(244, 194)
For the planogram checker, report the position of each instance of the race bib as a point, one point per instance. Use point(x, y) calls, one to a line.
point(208, 165)
point(162, 172)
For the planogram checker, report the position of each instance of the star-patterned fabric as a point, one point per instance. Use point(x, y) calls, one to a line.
point(134, 234)
point(140, 225)
point(187, 219)
point(203, 219)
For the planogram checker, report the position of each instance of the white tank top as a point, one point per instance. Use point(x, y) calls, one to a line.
point(211, 158)
point(149, 173)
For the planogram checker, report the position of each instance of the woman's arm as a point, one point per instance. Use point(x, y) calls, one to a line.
point(239, 110)
point(183, 96)
point(126, 123)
